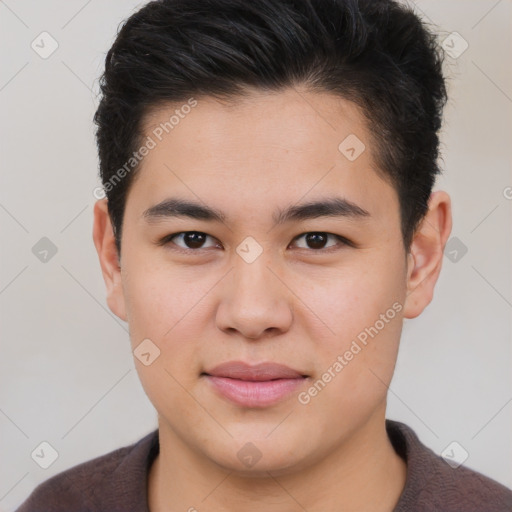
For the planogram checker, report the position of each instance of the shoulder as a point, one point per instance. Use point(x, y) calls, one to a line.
point(432, 484)
point(103, 483)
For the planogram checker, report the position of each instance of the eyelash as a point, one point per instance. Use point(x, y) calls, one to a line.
point(343, 242)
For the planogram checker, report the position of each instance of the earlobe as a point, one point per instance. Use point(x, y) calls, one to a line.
point(426, 254)
point(104, 241)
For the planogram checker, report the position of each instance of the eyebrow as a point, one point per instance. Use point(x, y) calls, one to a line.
point(330, 207)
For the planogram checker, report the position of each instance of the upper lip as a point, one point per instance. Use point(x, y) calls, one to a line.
point(260, 372)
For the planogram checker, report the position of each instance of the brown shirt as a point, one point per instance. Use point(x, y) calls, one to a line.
point(117, 482)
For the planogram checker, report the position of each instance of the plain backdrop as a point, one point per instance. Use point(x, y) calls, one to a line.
point(67, 372)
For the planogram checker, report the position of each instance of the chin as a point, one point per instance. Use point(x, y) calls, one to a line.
point(262, 455)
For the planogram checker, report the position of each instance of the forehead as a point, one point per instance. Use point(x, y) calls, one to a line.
point(291, 120)
point(273, 146)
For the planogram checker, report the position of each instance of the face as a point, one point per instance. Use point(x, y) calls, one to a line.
point(256, 273)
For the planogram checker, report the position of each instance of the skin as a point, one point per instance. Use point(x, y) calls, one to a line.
point(296, 304)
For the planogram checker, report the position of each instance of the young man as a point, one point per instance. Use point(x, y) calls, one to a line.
point(269, 223)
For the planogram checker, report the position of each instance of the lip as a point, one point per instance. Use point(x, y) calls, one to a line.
point(259, 372)
point(258, 385)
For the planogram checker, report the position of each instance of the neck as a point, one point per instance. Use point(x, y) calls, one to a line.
point(362, 473)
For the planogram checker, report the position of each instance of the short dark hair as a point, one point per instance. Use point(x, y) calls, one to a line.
point(376, 53)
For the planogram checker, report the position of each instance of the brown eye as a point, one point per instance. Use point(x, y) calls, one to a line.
point(317, 240)
point(189, 240)
point(193, 239)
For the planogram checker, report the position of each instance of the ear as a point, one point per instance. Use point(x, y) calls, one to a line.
point(426, 254)
point(104, 240)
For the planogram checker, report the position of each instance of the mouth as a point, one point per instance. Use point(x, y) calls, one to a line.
point(261, 385)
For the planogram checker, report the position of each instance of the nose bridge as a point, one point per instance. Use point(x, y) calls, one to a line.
point(254, 301)
point(252, 276)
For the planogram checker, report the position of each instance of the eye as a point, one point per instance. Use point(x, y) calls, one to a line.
point(188, 240)
point(317, 240)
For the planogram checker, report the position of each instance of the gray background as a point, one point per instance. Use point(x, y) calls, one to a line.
point(67, 374)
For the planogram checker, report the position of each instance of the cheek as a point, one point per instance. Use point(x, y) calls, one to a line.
point(163, 308)
point(353, 298)
point(362, 309)
point(158, 297)
point(168, 306)
point(151, 306)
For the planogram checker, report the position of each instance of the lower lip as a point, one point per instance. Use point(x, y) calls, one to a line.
point(255, 393)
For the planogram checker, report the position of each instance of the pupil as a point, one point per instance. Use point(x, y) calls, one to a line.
point(316, 240)
point(194, 240)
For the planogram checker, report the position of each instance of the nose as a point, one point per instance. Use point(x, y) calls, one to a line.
point(254, 301)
